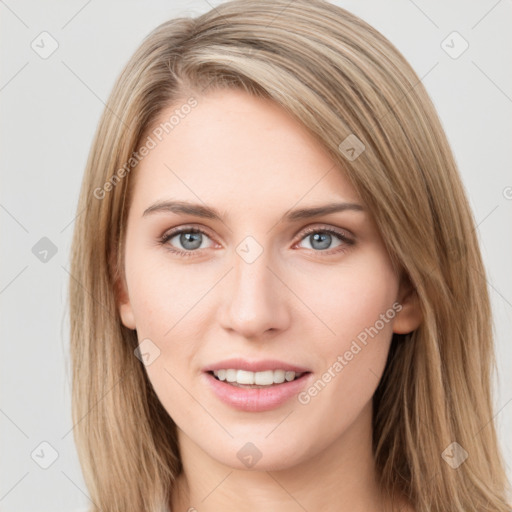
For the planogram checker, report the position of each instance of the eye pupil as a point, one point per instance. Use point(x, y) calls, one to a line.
point(189, 240)
point(192, 239)
point(323, 238)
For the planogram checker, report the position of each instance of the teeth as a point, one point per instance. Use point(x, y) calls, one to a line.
point(230, 375)
point(266, 378)
point(279, 376)
point(289, 376)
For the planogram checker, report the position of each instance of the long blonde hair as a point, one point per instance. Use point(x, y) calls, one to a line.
point(339, 77)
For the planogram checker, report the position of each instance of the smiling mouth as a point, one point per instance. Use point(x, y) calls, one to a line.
point(255, 380)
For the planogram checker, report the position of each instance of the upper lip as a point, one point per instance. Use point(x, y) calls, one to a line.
point(254, 366)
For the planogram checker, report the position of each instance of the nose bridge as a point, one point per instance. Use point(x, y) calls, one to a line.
point(254, 302)
point(251, 278)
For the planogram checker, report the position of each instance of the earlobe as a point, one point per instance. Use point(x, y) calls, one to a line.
point(127, 317)
point(410, 315)
point(124, 305)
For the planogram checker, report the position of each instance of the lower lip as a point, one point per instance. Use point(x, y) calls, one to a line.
point(256, 399)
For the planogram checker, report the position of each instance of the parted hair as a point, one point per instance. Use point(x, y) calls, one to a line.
point(339, 77)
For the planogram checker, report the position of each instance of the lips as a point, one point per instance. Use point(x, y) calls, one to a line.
point(255, 366)
point(279, 382)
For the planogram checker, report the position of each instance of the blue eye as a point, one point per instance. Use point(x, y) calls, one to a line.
point(322, 239)
point(191, 240)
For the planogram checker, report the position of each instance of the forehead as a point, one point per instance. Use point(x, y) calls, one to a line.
point(235, 150)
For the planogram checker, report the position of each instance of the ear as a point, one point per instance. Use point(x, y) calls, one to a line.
point(123, 303)
point(122, 297)
point(410, 316)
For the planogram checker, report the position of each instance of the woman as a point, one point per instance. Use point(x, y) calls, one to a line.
point(278, 299)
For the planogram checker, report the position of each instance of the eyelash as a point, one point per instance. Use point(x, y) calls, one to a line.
point(339, 234)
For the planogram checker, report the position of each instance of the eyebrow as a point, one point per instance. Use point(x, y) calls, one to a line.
point(198, 210)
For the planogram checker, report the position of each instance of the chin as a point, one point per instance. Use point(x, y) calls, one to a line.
point(260, 456)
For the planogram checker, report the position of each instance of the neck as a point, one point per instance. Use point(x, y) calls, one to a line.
point(340, 478)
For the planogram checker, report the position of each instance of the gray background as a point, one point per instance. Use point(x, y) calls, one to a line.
point(50, 108)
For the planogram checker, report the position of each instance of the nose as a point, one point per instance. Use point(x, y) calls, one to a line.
point(254, 299)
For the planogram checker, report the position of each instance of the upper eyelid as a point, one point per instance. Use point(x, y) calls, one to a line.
point(170, 233)
point(344, 233)
point(326, 227)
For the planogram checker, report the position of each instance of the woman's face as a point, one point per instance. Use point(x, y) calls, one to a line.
point(267, 288)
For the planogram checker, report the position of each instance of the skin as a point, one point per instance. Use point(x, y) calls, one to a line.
point(296, 302)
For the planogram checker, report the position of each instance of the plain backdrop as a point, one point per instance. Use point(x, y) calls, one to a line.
point(50, 106)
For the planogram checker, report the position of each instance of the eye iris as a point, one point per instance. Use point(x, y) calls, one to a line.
point(323, 238)
point(190, 240)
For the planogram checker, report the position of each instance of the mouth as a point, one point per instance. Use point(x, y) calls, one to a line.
point(255, 380)
point(269, 387)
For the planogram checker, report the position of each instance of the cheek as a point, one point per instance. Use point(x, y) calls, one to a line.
point(168, 301)
point(166, 304)
point(163, 294)
point(351, 297)
point(358, 307)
